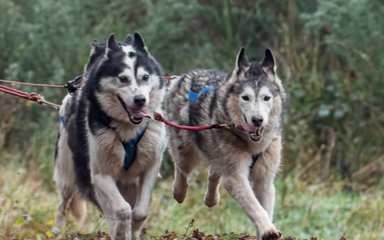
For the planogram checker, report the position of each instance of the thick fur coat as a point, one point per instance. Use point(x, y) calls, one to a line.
point(108, 152)
point(245, 159)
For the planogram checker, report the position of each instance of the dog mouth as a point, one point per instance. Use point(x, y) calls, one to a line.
point(256, 134)
point(135, 114)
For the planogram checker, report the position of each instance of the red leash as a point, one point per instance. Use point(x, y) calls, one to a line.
point(29, 96)
point(157, 116)
point(160, 118)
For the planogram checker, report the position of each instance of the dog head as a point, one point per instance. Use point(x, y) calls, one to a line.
point(255, 94)
point(125, 77)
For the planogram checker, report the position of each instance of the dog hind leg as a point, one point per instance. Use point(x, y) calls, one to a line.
point(78, 209)
point(67, 194)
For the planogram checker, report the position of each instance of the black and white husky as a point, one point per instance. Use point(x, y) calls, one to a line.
point(247, 159)
point(108, 152)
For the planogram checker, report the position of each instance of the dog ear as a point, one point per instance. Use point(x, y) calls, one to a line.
point(111, 43)
point(128, 39)
point(242, 63)
point(97, 47)
point(138, 42)
point(269, 64)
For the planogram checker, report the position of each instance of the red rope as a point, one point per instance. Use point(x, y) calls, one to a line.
point(160, 118)
point(15, 92)
point(29, 96)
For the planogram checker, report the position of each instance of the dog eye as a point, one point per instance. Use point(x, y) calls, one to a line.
point(123, 79)
point(266, 98)
point(145, 77)
point(245, 98)
point(131, 54)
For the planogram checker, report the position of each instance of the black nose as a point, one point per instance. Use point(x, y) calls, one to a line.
point(139, 100)
point(257, 121)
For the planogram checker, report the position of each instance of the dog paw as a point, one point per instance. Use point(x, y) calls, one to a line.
point(179, 195)
point(211, 200)
point(272, 234)
point(56, 230)
point(139, 217)
point(60, 222)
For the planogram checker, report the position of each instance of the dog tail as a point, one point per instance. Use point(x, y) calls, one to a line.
point(78, 209)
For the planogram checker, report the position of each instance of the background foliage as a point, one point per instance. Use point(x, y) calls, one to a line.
point(328, 55)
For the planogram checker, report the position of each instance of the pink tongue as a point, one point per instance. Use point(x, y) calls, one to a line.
point(247, 128)
point(140, 112)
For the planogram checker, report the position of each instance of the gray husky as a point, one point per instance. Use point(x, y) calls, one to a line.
point(247, 158)
point(108, 152)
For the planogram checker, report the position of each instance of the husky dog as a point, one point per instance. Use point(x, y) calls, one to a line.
point(108, 152)
point(251, 97)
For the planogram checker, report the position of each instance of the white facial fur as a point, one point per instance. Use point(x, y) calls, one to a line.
point(256, 105)
point(113, 87)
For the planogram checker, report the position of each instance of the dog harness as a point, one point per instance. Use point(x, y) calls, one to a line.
point(130, 148)
point(193, 96)
point(62, 120)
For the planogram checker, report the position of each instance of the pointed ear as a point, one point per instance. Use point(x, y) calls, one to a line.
point(268, 64)
point(111, 43)
point(128, 39)
point(97, 47)
point(242, 63)
point(138, 42)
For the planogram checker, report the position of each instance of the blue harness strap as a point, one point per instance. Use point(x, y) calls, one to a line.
point(193, 96)
point(130, 148)
point(62, 120)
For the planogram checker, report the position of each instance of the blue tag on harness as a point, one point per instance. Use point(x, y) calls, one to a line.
point(193, 96)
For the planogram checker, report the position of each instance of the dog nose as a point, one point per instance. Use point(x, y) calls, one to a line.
point(139, 100)
point(257, 121)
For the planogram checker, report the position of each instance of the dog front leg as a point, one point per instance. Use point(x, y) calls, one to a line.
point(187, 159)
point(146, 184)
point(263, 175)
point(212, 195)
point(116, 210)
point(264, 188)
point(240, 189)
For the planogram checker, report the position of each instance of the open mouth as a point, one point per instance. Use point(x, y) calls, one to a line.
point(135, 114)
point(256, 134)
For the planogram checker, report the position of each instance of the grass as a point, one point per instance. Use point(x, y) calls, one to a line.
point(322, 211)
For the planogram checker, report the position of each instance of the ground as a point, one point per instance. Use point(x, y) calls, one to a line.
point(317, 211)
